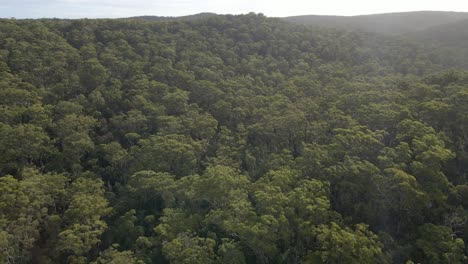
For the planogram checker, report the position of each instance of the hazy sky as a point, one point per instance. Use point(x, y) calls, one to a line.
point(126, 8)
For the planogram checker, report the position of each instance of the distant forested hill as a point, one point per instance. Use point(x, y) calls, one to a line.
point(444, 33)
point(448, 39)
point(449, 35)
point(390, 23)
point(229, 139)
point(160, 18)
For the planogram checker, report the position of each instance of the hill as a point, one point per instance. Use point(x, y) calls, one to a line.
point(449, 39)
point(390, 23)
point(445, 33)
point(162, 18)
point(228, 139)
point(448, 35)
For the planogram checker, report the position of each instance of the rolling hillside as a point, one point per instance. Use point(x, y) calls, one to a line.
point(165, 18)
point(442, 33)
point(237, 139)
point(390, 23)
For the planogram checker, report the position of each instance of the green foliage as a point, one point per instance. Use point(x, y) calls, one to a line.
point(227, 139)
point(439, 246)
point(338, 245)
point(28, 208)
point(173, 153)
point(113, 256)
point(187, 249)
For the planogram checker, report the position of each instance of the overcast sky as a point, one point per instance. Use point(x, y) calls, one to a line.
point(126, 8)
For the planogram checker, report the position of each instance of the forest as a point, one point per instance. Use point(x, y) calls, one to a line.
point(237, 139)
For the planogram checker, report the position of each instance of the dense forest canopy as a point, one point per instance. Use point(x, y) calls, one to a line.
point(435, 30)
point(228, 139)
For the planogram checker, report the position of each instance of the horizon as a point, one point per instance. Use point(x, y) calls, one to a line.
point(74, 9)
point(194, 14)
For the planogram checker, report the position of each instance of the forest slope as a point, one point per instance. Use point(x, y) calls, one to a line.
point(389, 23)
point(444, 33)
point(228, 139)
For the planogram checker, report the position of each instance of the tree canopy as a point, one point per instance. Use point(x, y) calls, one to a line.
point(228, 139)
